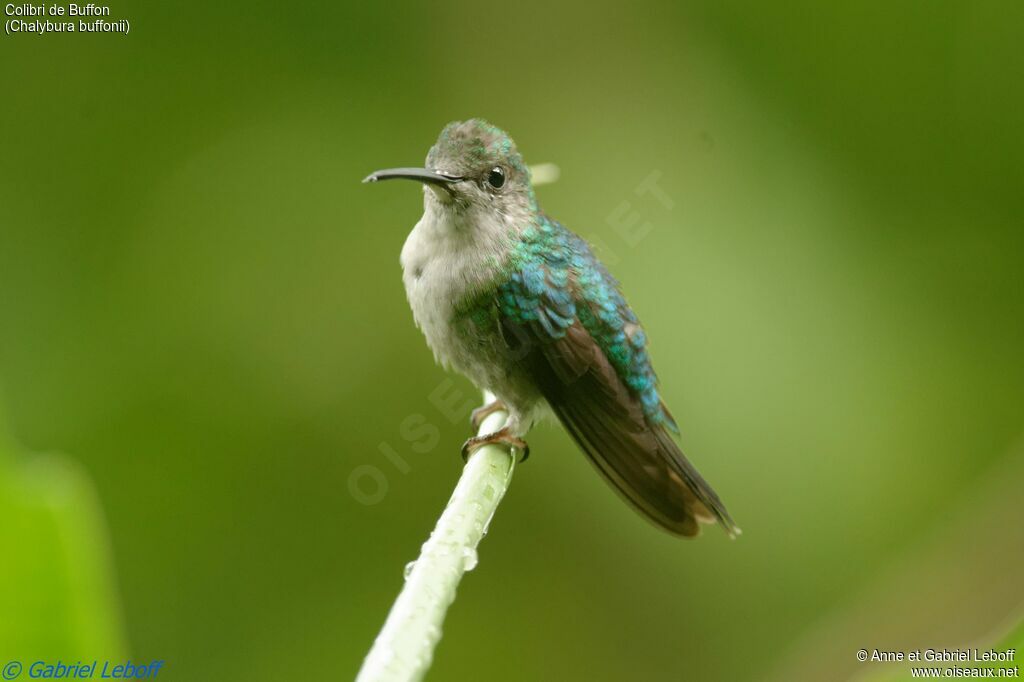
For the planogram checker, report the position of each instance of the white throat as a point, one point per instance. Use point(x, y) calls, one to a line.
point(449, 257)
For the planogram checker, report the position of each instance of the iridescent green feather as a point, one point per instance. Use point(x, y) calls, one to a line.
point(556, 279)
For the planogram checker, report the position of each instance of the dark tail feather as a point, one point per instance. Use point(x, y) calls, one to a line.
point(706, 499)
point(607, 420)
point(647, 468)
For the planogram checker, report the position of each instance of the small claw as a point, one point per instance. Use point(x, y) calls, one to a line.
point(500, 437)
point(477, 417)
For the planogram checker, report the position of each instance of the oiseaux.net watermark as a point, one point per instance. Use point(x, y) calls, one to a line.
point(949, 663)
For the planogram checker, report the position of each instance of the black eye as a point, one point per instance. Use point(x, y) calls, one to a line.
point(496, 178)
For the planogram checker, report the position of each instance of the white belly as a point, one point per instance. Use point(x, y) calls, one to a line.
point(443, 266)
point(434, 282)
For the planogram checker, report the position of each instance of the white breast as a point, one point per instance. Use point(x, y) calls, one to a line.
point(440, 267)
point(448, 259)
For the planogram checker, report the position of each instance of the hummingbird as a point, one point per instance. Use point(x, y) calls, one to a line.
point(521, 306)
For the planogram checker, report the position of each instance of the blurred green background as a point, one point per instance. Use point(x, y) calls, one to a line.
point(201, 305)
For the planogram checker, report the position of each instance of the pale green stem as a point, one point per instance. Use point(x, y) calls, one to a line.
point(405, 646)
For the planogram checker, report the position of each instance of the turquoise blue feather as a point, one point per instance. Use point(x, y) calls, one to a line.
point(555, 279)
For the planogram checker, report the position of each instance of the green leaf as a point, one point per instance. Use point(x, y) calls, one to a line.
point(57, 595)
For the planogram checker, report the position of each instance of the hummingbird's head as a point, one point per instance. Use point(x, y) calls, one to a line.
point(473, 166)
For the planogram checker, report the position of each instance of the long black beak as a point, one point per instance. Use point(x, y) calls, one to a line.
point(424, 175)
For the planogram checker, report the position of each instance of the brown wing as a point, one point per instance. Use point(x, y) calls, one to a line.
point(606, 419)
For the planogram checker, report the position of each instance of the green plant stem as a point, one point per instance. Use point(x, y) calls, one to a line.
point(404, 649)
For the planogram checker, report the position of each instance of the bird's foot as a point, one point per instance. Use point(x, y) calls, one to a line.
point(477, 417)
point(500, 437)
